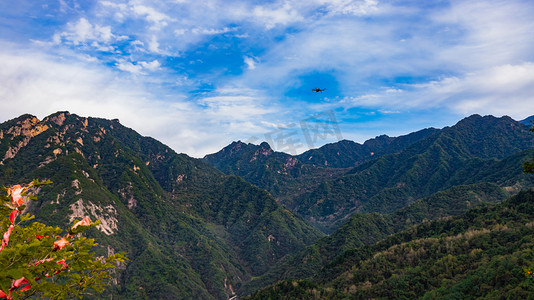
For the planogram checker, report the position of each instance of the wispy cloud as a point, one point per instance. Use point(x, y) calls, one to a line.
point(250, 62)
point(156, 18)
point(283, 14)
point(40, 85)
point(82, 33)
point(500, 90)
point(349, 7)
point(238, 65)
point(140, 68)
point(210, 31)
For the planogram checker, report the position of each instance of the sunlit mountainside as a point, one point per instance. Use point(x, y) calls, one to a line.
point(420, 215)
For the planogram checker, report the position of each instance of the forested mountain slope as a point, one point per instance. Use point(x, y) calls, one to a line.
point(282, 175)
point(475, 150)
point(482, 253)
point(345, 153)
point(192, 231)
point(189, 230)
point(368, 229)
point(389, 173)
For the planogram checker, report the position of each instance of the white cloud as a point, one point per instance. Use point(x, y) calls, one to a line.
point(151, 66)
point(210, 31)
point(351, 49)
point(453, 57)
point(139, 68)
point(158, 19)
point(505, 89)
point(351, 7)
point(491, 33)
point(38, 85)
point(83, 33)
point(41, 85)
point(153, 45)
point(180, 31)
point(464, 56)
point(120, 6)
point(250, 62)
point(273, 16)
point(238, 104)
point(130, 67)
point(499, 90)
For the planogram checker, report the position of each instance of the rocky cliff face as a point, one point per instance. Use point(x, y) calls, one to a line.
point(189, 230)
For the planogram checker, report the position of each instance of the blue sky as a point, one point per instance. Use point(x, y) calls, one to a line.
point(198, 75)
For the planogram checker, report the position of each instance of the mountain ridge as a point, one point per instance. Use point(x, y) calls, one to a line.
point(427, 166)
point(156, 205)
point(239, 219)
point(346, 153)
point(428, 158)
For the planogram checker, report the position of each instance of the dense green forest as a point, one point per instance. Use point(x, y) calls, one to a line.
point(421, 215)
point(367, 229)
point(480, 254)
point(189, 230)
point(401, 170)
point(282, 175)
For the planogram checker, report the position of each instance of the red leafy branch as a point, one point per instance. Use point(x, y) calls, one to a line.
point(16, 193)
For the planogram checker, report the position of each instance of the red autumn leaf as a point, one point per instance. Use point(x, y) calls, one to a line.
point(16, 197)
point(5, 239)
point(60, 244)
point(63, 266)
point(13, 215)
point(61, 262)
point(19, 282)
point(42, 261)
point(25, 288)
point(84, 222)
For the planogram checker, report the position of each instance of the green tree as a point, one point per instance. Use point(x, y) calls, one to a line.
point(528, 166)
point(36, 261)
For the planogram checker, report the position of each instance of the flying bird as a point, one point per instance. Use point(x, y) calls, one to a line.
point(317, 90)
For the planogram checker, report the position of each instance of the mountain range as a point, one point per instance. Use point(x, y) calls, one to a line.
point(400, 171)
point(189, 231)
point(246, 217)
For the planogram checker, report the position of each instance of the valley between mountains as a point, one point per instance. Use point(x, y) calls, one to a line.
point(430, 214)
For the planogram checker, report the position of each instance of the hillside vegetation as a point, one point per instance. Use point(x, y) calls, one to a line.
point(401, 170)
point(189, 230)
point(480, 254)
point(421, 215)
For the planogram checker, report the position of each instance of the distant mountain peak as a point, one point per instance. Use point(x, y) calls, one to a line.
point(57, 118)
point(527, 121)
point(265, 145)
point(136, 186)
point(264, 149)
point(240, 148)
point(235, 147)
point(478, 118)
